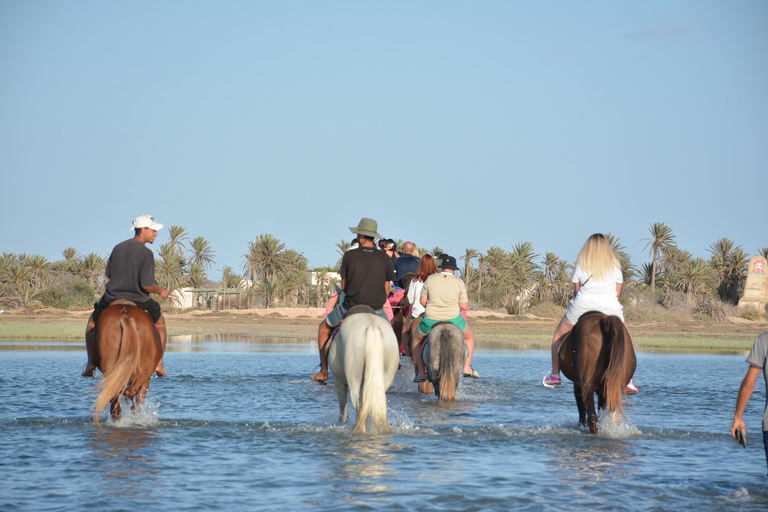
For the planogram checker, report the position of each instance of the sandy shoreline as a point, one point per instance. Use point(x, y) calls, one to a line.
point(491, 329)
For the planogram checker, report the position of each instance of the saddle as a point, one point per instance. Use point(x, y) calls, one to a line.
point(122, 302)
point(354, 310)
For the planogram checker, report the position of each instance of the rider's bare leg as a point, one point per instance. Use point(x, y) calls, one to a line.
point(160, 326)
point(563, 328)
point(323, 335)
point(90, 347)
point(469, 337)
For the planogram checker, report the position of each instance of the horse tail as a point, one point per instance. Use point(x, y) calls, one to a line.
point(373, 402)
point(448, 372)
point(124, 369)
point(613, 380)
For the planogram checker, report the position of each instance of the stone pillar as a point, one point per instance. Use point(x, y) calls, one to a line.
point(756, 288)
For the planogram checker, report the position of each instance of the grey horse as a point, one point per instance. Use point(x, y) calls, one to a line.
point(444, 354)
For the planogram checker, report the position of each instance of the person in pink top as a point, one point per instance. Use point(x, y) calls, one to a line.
point(597, 282)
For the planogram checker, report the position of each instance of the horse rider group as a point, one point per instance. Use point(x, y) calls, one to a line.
point(435, 294)
point(367, 275)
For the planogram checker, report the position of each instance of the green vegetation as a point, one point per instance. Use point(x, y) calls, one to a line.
point(751, 315)
point(673, 287)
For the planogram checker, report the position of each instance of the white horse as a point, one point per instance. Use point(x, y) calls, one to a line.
point(444, 354)
point(363, 359)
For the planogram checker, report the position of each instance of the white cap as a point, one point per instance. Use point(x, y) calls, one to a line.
point(146, 221)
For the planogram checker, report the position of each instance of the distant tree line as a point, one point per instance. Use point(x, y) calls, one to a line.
point(273, 275)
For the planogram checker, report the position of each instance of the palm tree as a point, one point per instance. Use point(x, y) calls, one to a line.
point(39, 265)
point(71, 259)
point(729, 262)
point(201, 252)
point(692, 279)
point(763, 251)
point(661, 237)
point(437, 250)
point(469, 255)
point(341, 248)
point(169, 267)
point(92, 268)
point(178, 235)
point(197, 277)
point(265, 257)
point(226, 270)
point(627, 269)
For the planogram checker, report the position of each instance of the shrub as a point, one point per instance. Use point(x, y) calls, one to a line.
point(56, 297)
point(547, 310)
point(751, 315)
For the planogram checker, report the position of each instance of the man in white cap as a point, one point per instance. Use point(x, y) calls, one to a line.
point(366, 274)
point(131, 273)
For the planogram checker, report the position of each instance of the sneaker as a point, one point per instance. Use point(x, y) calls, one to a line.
point(632, 387)
point(550, 380)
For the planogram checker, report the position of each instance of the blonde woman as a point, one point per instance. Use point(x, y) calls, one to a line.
point(597, 282)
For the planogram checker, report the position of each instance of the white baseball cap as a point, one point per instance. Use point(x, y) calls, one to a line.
point(146, 221)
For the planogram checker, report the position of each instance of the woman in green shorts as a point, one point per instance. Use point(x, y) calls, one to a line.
point(445, 296)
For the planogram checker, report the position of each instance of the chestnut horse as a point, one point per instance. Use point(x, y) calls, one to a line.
point(128, 350)
point(598, 357)
point(444, 354)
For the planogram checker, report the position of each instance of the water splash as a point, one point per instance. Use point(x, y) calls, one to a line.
point(143, 415)
point(621, 428)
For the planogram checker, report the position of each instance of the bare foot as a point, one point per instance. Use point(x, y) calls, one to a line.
point(89, 369)
point(160, 370)
point(319, 377)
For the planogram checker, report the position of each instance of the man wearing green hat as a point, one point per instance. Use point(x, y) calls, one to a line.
point(366, 274)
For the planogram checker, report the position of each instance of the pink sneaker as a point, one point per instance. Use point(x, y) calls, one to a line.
point(632, 387)
point(550, 380)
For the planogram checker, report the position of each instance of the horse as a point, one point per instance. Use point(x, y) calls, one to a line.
point(363, 358)
point(598, 357)
point(444, 354)
point(128, 349)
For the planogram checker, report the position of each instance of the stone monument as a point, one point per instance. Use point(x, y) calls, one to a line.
point(756, 288)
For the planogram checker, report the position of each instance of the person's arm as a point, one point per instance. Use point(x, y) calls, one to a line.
point(343, 284)
point(745, 393)
point(464, 306)
point(618, 289)
point(387, 287)
point(423, 300)
point(576, 288)
point(156, 289)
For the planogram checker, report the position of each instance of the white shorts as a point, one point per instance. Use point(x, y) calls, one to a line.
point(579, 307)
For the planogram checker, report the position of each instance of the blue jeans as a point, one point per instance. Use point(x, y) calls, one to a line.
point(765, 444)
point(338, 313)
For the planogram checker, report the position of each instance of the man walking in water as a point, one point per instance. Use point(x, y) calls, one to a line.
point(131, 274)
point(366, 274)
point(757, 360)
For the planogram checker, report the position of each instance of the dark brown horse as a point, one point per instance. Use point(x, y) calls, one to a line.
point(128, 351)
point(598, 357)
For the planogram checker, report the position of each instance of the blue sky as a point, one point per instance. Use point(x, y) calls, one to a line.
point(458, 124)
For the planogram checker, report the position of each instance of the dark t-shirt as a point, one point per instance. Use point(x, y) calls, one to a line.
point(366, 270)
point(405, 264)
point(131, 268)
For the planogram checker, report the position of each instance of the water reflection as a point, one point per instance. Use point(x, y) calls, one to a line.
point(366, 460)
point(125, 457)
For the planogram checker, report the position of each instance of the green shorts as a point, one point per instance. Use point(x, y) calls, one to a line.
point(427, 323)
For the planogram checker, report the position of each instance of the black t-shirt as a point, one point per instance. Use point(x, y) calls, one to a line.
point(367, 271)
point(130, 268)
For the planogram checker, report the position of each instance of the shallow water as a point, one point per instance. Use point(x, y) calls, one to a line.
point(239, 426)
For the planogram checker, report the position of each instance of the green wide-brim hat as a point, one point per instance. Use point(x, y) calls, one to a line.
point(366, 227)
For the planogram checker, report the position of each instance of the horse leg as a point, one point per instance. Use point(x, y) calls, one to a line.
point(580, 405)
point(589, 403)
point(114, 408)
point(341, 393)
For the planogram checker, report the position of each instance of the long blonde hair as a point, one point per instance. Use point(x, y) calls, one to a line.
point(597, 257)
